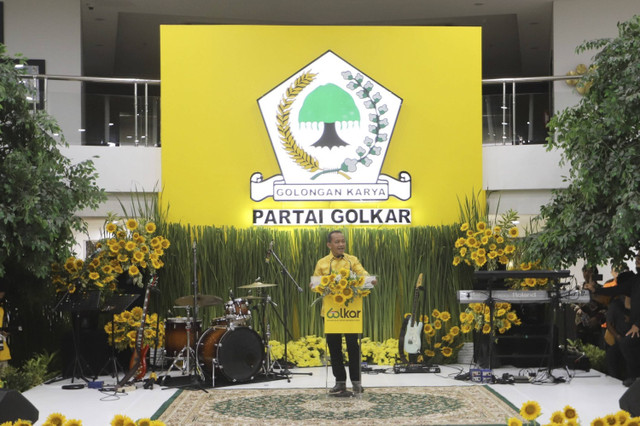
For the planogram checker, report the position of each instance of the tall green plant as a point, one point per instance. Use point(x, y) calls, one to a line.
point(596, 216)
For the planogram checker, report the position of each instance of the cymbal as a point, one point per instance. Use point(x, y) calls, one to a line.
point(202, 300)
point(257, 285)
point(255, 297)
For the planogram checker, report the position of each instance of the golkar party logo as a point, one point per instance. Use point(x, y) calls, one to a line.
point(330, 126)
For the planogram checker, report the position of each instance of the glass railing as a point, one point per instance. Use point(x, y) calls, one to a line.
point(126, 111)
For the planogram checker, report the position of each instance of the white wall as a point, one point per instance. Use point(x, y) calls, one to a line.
point(50, 30)
point(576, 21)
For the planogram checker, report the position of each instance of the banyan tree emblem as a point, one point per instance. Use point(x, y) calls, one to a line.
point(330, 126)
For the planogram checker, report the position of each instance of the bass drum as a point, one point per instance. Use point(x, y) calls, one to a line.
point(235, 354)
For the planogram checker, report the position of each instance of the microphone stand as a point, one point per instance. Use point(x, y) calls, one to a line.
point(285, 273)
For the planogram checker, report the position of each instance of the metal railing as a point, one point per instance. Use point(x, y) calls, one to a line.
point(507, 105)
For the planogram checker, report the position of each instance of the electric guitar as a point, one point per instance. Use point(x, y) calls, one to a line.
point(138, 363)
point(413, 332)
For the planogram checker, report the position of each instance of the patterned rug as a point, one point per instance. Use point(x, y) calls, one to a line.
point(443, 405)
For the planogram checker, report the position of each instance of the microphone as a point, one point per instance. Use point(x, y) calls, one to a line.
point(269, 250)
point(231, 294)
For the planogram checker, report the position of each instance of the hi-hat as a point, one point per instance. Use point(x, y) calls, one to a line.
point(257, 285)
point(202, 300)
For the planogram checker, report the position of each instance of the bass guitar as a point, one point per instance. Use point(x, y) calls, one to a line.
point(413, 332)
point(138, 363)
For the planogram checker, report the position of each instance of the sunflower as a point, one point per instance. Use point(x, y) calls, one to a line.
point(481, 260)
point(633, 422)
point(338, 299)
point(150, 227)
point(136, 312)
point(144, 422)
point(513, 232)
point(481, 226)
point(471, 242)
point(455, 330)
point(342, 283)
point(465, 328)
point(557, 418)
point(132, 224)
point(437, 324)
point(130, 245)
point(456, 260)
point(530, 410)
point(119, 420)
point(463, 251)
point(463, 317)
point(492, 254)
point(623, 417)
point(138, 256)
point(165, 244)
point(446, 351)
point(486, 328)
point(133, 270)
point(514, 421)
point(599, 421)
point(464, 227)
point(484, 240)
point(429, 353)
point(610, 419)
point(459, 242)
point(445, 316)
point(111, 228)
point(428, 328)
point(344, 272)
point(94, 276)
point(509, 249)
point(347, 293)
point(56, 419)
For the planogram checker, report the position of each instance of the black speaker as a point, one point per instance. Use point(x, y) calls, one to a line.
point(630, 400)
point(14, 406)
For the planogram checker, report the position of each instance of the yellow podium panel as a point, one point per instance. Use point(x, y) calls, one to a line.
point(339, 318)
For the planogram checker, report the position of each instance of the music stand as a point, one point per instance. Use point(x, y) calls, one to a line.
point(75, 303)
point(115, 304)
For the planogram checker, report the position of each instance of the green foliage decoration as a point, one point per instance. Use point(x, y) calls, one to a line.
point(40, 189)
point(32, 373)
point(596, 216)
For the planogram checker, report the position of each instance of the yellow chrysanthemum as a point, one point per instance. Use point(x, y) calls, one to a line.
point(514, 421)
point(513, 232)
point(132, 224)
point(486, 328)
point(530, 410)
point(133, 270)
point(446, 351)
point(445, 316)
point(464, 227)
point(57, 419)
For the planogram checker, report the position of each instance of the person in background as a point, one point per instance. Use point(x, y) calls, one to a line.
point(5, 353)
point(336, 260)
point(590, 316)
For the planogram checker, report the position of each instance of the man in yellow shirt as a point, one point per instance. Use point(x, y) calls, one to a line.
point(336, 260)
point(5, 355)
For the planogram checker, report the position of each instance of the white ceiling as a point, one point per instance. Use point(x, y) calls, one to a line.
point(121, 38)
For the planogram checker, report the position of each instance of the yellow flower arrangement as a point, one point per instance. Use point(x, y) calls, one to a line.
point(343, 286)
point(442, 338)
point(477, 316)
point(126, 325)
point(484, 246)
point(129, 246)
point(529, 283)
point(530, 411)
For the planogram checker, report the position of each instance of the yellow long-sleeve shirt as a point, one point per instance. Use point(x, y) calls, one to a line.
point(5, 354)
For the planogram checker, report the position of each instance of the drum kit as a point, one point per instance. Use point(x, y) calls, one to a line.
point(229, 347)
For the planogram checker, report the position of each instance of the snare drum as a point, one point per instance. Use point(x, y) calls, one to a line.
point(176, 335)
point(236, 354)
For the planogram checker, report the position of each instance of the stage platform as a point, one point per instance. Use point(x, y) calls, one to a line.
point(592, 394)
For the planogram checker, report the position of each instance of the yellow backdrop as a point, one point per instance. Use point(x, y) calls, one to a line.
point(214, 137)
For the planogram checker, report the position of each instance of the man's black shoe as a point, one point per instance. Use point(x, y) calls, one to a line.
point(629, 381)
point(338, 388)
